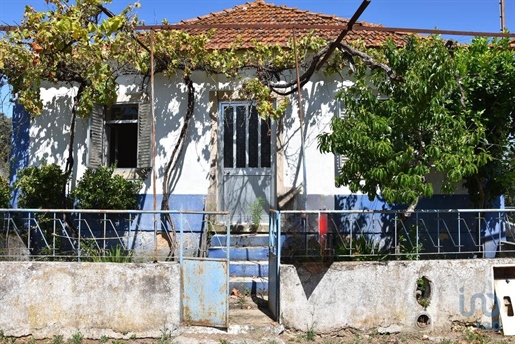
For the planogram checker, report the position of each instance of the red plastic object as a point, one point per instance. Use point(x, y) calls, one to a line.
point(322, 225)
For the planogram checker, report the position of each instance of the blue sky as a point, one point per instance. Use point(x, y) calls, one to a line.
point(462, 15)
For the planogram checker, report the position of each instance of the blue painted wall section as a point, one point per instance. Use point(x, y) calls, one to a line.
point(20, 142)
point(192, 222)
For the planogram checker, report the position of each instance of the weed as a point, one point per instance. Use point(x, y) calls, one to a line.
point(118, 341)
point(114, 255)
point(361, 248)
point(31, 340)
point(424, 302)
point(241, 302)
point(408, 245)
point(76, 338)
point(421, 285)
point(475, 336)
point(166, 336)
point(58, 339)
point(133, 336)
point(256, 212)
point(2, 335)
point(311, 334)
point(224, 341)
point(104, 339)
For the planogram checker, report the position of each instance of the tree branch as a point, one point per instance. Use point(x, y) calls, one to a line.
point(369, 61)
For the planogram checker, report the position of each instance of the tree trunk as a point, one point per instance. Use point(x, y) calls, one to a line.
point(172, 164)
point(70, 161)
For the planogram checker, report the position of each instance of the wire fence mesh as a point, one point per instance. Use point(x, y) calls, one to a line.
point(106, 236)
point(394, 234)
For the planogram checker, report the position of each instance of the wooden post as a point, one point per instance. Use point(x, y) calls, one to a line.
point(503, 15)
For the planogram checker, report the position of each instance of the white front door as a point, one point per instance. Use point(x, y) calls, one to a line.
point(247, 161)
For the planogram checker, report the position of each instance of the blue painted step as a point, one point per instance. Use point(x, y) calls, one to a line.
point(241, 240)
point(249, 285)
point(248, 269)
point(239, 253)
point(248, 263)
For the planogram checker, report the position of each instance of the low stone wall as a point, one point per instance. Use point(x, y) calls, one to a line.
point(44, 299)
point(392, 296)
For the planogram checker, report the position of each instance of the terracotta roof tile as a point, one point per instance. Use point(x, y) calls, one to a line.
point(261, 12)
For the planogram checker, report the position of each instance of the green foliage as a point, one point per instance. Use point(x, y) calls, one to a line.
point(439, 118)
point(5, 143)
point(102, 189)
point(361, 248)
point(473, 335)
point(113, 255)
point(409, 247)
point(166, 336)
point(256, 213)
point(311, 334)
point(489, 85)
point(41, 187)
point(76, 338)
point(255, 90)
point(5, 193)
point(70, 43)
point(57, 339)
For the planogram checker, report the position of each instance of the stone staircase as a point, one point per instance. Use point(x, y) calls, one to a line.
point(248, 265)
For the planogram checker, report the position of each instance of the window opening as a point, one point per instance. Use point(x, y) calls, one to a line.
point(246, 137)
point(122, 123)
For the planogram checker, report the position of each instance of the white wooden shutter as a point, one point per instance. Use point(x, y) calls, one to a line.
point(96, 137)
point(144, 135)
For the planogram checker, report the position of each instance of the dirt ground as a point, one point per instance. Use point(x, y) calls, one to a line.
point(348, 336)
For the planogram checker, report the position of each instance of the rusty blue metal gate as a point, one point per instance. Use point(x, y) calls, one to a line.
point(274, 264)
point(205, 288)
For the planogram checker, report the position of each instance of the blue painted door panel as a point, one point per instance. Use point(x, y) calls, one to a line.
point(205, 292)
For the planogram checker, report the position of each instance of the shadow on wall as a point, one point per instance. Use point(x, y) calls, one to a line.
point(171, 108)
point(316, 120)
point(46, 137)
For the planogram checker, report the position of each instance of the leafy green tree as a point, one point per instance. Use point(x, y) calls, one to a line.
point(448, 110)
point(5, 144)
point(489, 86)
point(5, 193)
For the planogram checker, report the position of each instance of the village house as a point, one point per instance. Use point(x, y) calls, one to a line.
point(232, 158)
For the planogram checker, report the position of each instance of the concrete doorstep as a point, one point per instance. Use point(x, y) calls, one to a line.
point(249, 322)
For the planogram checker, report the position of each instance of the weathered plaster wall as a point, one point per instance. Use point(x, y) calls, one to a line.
point(370, 295)
point(116, 300)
